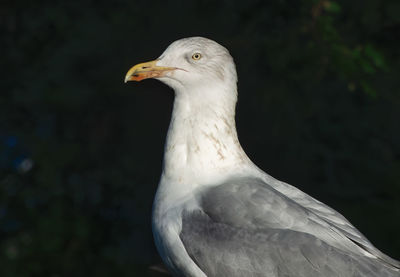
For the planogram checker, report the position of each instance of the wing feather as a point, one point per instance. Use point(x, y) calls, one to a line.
point(244, 227)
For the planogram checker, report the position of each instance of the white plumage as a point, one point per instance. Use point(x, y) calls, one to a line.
point(215, 212)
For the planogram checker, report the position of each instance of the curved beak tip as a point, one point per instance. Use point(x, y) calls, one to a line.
point(146, 70)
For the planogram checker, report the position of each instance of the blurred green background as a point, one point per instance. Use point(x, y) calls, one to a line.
point(81, 152)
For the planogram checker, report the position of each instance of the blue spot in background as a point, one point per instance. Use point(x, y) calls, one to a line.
point(11, 141)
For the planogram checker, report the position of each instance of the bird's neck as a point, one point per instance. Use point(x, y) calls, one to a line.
point(202, 140)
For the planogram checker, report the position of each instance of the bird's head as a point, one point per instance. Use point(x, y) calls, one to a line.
point(189, 63)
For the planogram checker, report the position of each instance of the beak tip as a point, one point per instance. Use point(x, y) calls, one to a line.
point(146, 70)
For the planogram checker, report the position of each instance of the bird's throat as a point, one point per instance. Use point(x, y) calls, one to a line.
point(201, 142)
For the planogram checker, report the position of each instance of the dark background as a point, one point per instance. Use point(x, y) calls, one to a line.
point(81, 152)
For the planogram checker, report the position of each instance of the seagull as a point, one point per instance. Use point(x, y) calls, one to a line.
point(215, 212)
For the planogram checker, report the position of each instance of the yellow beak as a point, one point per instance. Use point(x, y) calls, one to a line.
point(146, 70)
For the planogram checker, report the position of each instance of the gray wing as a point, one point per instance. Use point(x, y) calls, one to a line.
point(246, 228)
point(332, 217)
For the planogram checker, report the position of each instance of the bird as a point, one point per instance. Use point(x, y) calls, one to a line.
point(216, 213)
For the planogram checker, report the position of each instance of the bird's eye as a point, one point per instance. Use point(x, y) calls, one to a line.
point(196, 56)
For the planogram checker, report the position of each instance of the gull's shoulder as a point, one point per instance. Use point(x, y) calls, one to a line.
point(326, 215)
point(246, 215)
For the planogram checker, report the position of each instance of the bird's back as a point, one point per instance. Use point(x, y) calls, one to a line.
point(244, 227)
